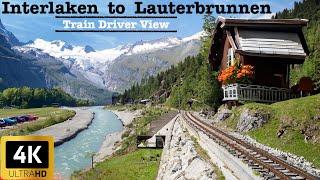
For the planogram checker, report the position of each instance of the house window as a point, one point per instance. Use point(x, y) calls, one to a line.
point(230, 60)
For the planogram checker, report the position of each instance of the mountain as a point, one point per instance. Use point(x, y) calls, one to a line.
point(83, 71)
point(8, 36)
point(116, 69)
point(16, 71)
point(37, 69)
point(142, 61)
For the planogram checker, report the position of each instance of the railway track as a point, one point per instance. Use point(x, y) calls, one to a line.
point(269, 166)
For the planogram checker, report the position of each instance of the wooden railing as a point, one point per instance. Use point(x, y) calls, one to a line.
point(255, 93)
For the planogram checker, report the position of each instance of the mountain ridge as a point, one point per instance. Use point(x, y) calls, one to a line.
point(39, 70)
point(101, 67)
point(10, 37)
point(83, 71)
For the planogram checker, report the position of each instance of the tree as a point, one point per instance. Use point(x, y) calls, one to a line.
point(190, 79)
point(307, 9)
point(26, 97)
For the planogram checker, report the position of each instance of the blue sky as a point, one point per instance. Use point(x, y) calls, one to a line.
point(30, 27)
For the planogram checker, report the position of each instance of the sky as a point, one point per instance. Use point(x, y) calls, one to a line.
point(31, 27)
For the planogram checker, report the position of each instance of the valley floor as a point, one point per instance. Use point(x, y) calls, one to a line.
point(66, 130)
point(47, 117)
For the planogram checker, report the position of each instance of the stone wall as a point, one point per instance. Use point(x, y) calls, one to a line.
point(180, 159)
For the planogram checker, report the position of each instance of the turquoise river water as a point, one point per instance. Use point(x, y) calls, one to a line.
point(75, 154)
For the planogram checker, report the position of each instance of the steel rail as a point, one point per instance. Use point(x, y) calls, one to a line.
point(248, 150)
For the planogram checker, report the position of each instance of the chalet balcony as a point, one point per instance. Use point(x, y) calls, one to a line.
point(255, 93)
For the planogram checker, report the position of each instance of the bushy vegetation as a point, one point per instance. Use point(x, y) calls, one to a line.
point(47, 117)
point(141, 164)
point(307, 9)
point(196, 82)
point(26, 97)
point(190, 79)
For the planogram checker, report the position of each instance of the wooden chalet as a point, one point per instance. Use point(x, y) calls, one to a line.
point(271, 46)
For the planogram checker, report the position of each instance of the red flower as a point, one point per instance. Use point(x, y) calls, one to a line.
point(236, 74)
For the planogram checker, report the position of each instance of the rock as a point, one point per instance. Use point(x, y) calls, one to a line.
point(311, 133)
point(251, 120)
point(222, 114)
point(198, 169)
point(180, 160)
point(177, 166)
point(280, 133)
point(316, 118)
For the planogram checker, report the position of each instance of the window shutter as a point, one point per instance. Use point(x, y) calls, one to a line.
point(230, 57)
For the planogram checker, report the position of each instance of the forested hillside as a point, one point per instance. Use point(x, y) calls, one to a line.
point(190, 79)
point(307, 9)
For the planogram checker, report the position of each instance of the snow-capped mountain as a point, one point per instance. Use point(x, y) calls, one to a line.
point(85, 57)
point(165, 43)
point(40, 70)
point(111, 68)
point(16, 71)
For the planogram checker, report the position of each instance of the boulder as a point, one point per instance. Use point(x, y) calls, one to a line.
point(250, 119)
point(176, 165)
point(182, 160)
point(198, 169)
point(222, 114)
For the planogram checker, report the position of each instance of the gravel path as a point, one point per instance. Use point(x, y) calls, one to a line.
point(67, 130)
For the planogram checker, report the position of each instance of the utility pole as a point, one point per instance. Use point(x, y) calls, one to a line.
point(91, 155)
point(179, 102)
point(92, 161)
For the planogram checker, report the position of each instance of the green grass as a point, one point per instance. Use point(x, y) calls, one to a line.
point(47, 117)
point(140, 164)
point(293, 115)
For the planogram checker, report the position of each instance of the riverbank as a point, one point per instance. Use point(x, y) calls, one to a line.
point(112, 141)
point(128, 162)
point(67, 130)
point(48, 116)
point(126, 116)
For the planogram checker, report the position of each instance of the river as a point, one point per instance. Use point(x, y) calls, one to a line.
point(75, 154)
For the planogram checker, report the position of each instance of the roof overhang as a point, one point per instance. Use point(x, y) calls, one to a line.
point(262, 22)
point(228, 28)
point(296, 59)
